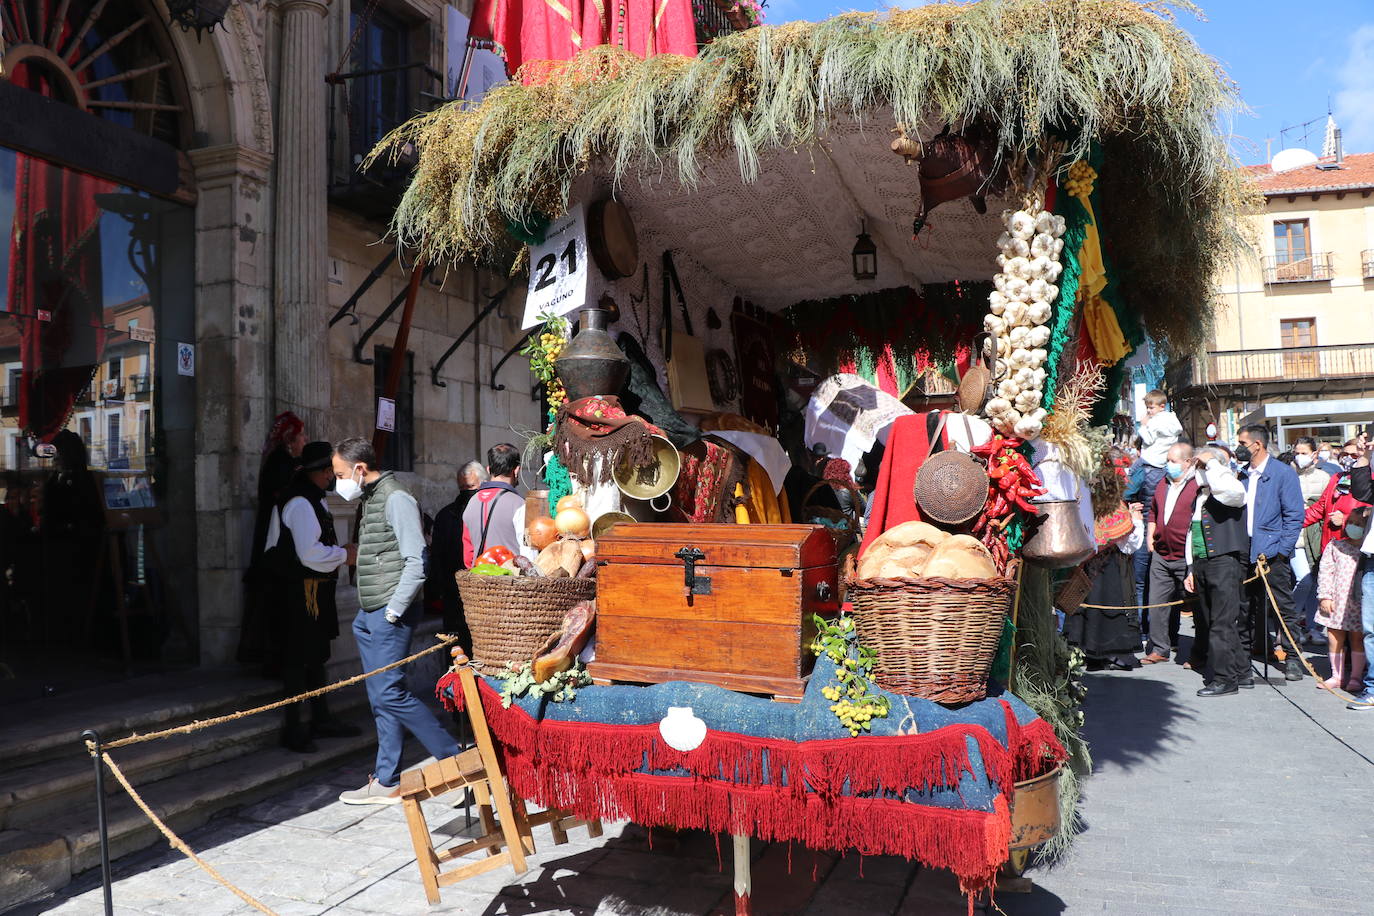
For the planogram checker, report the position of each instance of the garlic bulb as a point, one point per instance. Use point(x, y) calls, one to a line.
point(997, 406)
point(1026, 401)
point(1019, 357)
point(1038, 311)
point(1008, 389)
point(1018, 336)
point(1039, 381)
point(1039, 290)
point(1016, 314)
point(1037, 336)
point(1019, 267)
point(1004, 242)
point(1003, 347)
point(1040, 268)
point(1027, 428)
point(1044, 221)
point(1021, 225)
point(1038, 356)
point(1025, 377)
point(994, 324)
point(1059, 225)
point(1042, 245)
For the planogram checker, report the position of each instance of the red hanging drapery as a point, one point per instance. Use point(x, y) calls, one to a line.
point(539, 30)
point(54, 289)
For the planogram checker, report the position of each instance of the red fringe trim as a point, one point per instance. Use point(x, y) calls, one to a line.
point(746, 784)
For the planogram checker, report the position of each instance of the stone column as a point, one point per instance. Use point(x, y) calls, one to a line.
point(301, 242)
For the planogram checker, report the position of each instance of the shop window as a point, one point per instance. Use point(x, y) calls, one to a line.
point(400, 444)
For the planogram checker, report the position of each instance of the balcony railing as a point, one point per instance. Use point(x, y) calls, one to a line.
point(1367, 263)
point(1221, 367)
point(140, 385)
point(1287, 269)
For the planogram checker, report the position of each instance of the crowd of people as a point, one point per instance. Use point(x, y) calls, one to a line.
point(1200, 524)
point(398, 555)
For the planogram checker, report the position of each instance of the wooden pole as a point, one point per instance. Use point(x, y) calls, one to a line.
point(398, 351)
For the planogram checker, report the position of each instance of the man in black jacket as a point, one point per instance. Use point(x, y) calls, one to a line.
point(446, 552)
point(1217, 551)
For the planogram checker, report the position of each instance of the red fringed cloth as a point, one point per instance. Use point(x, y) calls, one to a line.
point(593, 434)
point(846, 793)
point(894, 498)
point(705, 489)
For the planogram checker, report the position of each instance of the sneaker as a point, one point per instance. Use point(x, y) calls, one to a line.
point(1292, 670)
point(1362, 703)
point(374, 793)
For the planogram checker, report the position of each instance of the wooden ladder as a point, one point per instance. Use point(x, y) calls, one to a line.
point(506, 832)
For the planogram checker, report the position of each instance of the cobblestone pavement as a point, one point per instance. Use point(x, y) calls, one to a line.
point(1235, 805)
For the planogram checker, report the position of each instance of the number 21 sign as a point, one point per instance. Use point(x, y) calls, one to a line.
point(558, 268)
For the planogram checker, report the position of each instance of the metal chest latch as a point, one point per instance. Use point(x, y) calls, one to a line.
point(692, 583)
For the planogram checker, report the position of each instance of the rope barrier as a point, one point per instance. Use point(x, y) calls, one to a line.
point(1146, 607)
point(179, 844)
point(1262, 570)
point(199, 724)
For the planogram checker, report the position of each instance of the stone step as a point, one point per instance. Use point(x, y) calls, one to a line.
point(38, 859)
point(50, 728)
point(30, 794)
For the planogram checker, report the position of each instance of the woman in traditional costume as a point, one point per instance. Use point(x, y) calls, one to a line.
point(1107, 628)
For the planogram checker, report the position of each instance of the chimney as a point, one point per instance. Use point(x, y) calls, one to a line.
point(1340, 151)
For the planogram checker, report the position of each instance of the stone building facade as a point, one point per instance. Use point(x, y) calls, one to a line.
point(275, 229)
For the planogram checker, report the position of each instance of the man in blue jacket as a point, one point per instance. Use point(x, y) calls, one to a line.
point(1274, 512)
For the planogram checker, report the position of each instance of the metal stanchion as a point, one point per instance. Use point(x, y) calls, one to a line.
point(93, 737)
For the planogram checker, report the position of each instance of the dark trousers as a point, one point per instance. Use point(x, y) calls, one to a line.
point(395, 709)
point(307, 615)
point(1166, 584)
point(1256, 626)
point(1216, 581)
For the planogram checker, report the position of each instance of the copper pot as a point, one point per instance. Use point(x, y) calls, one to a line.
point(1061, 540)
point(1035, 810)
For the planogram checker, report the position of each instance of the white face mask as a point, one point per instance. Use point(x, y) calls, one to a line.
point(1303, 460)
point(348, 488)
point(1324, 455)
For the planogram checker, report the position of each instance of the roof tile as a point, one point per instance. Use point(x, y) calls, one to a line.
point(1355, 173)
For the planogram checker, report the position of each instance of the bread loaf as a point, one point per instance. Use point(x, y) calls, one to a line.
point(960, 557)
point(903, 537)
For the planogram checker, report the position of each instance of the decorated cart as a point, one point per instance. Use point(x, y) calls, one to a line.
point(850, 299)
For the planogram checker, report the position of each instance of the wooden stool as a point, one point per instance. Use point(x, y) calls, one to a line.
point(506, 832)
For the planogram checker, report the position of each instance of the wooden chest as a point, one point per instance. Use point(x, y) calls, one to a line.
point(729, 605)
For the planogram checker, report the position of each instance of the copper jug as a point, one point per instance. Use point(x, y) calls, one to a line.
point(1061, 540)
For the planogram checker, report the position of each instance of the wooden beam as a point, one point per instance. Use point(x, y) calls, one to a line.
point(398, 350)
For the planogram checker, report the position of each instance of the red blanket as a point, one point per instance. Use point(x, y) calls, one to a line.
point(894, 499)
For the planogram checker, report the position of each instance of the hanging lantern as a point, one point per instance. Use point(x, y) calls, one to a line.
point(201, 15)
point(865, 256)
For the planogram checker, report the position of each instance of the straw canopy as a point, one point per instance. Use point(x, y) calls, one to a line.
point(1114, 75)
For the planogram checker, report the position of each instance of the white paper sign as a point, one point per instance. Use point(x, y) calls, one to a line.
point(146, 335)
point(386, 414)
point(186, 359)
point(558, 269)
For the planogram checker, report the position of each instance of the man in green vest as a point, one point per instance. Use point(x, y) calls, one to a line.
point(391, 573)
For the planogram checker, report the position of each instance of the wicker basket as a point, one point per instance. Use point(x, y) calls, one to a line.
point(1073, 591)
point(935, 638)
point(511, 617)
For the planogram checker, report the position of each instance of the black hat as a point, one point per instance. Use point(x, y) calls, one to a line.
point(316, 456)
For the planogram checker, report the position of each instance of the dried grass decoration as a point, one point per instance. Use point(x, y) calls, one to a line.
point(1067, 427)
point(1121, 72)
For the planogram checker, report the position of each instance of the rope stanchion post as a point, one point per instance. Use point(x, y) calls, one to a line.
point(91, 738)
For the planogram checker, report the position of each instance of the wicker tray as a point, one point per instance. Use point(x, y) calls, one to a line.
point(511, 617)
point(935, 638)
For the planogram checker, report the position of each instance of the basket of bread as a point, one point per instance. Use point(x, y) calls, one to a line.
point(932, 604)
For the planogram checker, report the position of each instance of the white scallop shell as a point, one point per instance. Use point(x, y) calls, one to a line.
point(1038, 336)
point(1021, 225)
point(994, 324)
point(1044, 222)
point(1038, 311)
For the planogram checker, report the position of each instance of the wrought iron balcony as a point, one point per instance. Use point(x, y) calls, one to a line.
point(1316, 266)
point(1283, 364)
point(140, 385)
point(717, 18)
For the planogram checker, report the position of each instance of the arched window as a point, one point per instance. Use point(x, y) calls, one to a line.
point(112, 58)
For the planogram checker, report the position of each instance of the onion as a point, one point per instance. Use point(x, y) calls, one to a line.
point(568, 502)
point(572, 520)
point(541, 532)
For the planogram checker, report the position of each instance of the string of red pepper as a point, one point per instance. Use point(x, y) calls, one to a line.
point(1012, 486)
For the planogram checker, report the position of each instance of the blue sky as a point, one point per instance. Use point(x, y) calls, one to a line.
point(1289, 58)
